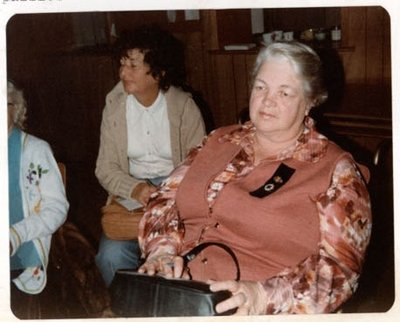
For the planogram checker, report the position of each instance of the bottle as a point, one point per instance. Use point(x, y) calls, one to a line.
point(336, 34)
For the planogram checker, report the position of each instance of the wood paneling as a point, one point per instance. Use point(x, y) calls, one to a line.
point(241, 85)
point(299, 19)
point(128, 20)
point(354, 34)
point(233, 26)
point(222, 99)
point(229, 77)
point(367, 67)
point(194, 58)
point(209, 29)
point(363, 55)
point(374, 35)
point(39, 32)
point(386, 48)
point(367, 30)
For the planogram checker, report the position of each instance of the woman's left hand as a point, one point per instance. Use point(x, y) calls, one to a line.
point(167, 265)
point(248, 297)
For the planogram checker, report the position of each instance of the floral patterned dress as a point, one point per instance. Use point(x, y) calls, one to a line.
point(324, 280)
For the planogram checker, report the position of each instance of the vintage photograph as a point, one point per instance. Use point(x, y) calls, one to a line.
point(173, 162)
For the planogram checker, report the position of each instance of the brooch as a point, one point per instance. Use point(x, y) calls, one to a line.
point(278, 179)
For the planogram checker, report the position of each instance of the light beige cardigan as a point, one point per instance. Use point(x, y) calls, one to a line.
point(112, 167)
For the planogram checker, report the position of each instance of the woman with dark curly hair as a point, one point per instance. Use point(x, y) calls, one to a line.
point(148, 126)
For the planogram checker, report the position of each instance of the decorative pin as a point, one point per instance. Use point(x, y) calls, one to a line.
point(282, 175)
point(269, 187)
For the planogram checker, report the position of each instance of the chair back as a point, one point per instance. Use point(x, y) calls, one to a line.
point(63, 171)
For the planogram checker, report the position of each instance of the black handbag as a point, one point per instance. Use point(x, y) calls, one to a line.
point(140, 295)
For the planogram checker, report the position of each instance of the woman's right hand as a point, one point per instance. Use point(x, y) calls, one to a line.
point(166, 265)
point(142, 192)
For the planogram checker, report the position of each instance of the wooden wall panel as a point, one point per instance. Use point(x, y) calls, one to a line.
point(230, 76)
point(233, 26)
point(77, 101)
point(375, 61)
point(240, 71)
point(40, 32)
point(365, 56)
point(194, 59)
point(243, 76)
point(354, 30)
point(374, 53)
point(299, 19)
point(128, 20)
point(387, 33)
point(250, 60)
point(367, 65)
point(209, 29)
point(222, 88)
point(387, 71)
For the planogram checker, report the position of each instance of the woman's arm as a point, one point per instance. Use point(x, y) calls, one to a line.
point(324, 281)
point(112, 175)
point(161, 230)
point(44, 195)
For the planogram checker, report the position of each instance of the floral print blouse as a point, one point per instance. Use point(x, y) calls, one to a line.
point(323, 281)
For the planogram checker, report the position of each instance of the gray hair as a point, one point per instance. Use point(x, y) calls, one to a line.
point(306, 64)
point(16, 97)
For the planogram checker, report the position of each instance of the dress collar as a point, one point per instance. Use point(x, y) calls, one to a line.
point(311, 146)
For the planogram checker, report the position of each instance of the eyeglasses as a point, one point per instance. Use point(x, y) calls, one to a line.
point(130, 62)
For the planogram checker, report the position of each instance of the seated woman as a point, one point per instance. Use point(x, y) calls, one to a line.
point(291, 204)
point(37, 206)
point(149, 124)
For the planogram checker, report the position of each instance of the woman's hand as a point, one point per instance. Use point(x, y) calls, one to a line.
point(169, 266)
point(248, 297)
point(142, 192)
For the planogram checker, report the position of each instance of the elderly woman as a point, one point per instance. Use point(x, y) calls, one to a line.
point(149, 124)
point(291, 204)
point(37, 205)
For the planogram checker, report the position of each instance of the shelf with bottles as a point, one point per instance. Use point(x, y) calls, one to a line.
point(328, 44)
point(324, 39)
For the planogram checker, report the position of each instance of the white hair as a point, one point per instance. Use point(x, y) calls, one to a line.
point(15, 96)
point(306, 64)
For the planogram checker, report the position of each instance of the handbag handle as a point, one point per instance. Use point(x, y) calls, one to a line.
point(196, 250)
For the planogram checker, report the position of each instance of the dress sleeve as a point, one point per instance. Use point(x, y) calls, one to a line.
point(161, 227)
point(325, 280)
